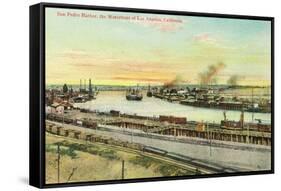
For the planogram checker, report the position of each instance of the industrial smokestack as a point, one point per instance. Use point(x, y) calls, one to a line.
point(85, 84)
point(90, 87)
point(80, 85)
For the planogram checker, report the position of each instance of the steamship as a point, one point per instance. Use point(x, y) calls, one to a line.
point(134, 94)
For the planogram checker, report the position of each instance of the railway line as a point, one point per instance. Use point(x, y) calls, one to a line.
point(182, 161)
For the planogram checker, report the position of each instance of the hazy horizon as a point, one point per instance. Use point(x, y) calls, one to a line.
point(117, 50)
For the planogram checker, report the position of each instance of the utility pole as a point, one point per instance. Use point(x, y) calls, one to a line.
point(62, 116)
point(248, 134)
point(252, 104)
point(123, 169)
point(211, 140)
point(58, 160)
point(210, 146)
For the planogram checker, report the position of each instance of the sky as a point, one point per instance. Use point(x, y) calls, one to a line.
point(119, 48)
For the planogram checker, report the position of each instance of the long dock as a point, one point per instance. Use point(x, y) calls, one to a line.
point(153, 125)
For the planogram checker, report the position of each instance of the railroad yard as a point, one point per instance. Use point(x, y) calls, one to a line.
point(210, 149)
point(168, 125)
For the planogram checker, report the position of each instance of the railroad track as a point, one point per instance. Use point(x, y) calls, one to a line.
point(175, 159)
point(147, 154)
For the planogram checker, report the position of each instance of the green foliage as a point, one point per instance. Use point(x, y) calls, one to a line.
point(143, 161)
point(163, 168)
point(109, 154)
point(68, 151)
point(72, 147)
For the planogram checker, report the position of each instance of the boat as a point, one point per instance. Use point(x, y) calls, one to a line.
point(134, 94)
point(149, 92)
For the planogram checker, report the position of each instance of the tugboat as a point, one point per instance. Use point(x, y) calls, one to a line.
point(149, 92)
point(134, 94)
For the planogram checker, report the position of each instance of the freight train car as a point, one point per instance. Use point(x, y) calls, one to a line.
point(90, 124)
point(155, 150)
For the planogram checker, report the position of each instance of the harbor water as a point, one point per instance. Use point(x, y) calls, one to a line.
point(151, 106)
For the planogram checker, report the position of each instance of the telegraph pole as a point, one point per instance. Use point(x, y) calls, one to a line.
point(58, 160)
point(62, 116)
point(248, 134)
point(211, 140)
point(252, 104)
point(210, 147)
point(123, 169)
point(131, 135)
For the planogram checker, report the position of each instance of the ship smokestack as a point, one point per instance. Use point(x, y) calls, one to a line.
point(242, 119)
point(224, 115)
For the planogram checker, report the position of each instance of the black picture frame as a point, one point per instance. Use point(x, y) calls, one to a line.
point(37, 93)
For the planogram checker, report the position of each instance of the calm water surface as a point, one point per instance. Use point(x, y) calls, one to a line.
point(150, 106)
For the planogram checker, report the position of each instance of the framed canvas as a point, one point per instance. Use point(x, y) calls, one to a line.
point(131, 95)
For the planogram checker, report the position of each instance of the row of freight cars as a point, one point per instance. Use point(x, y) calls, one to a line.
point(76, 134)
point(85, 123)
point(239, 125)
point(162, 118)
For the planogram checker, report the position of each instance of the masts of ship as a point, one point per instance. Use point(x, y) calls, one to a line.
point(84, 93)
point(149, 93)
point(134, 94)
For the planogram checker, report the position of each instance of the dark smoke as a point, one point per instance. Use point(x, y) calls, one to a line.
point(209, 76)
point(233, 80)
point(173, 82)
